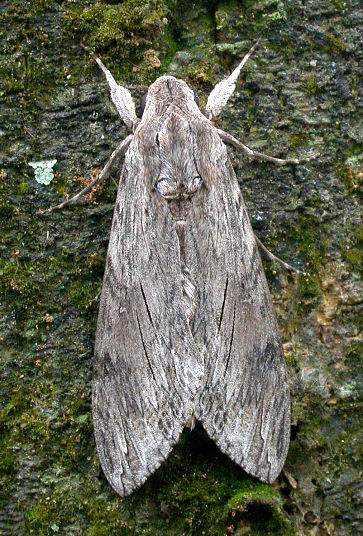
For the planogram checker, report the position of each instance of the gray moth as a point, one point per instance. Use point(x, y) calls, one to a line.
point(186, 327)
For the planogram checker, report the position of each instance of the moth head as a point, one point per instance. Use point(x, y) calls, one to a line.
point(144, 97)
point(165, 91)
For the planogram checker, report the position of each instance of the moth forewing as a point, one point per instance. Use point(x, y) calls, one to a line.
point(243, 401)
point(147, 366)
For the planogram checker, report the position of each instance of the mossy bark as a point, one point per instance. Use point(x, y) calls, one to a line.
point(297, 95)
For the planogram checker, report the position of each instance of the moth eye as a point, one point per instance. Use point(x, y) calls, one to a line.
point(195, 184)
point(163, 187)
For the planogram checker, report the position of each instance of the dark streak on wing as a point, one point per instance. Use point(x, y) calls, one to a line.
point(231, 341)
point(146, 305)
point(143, 344)
point(223, 304)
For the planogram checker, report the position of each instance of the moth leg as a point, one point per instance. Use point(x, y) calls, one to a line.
point(228, 138)
point(277, 259)
point(223, 90)
point(117, 153)
point(121, 97)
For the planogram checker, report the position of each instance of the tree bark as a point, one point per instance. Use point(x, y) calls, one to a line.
point(297, 96)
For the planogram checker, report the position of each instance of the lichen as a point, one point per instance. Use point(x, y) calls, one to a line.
point(43, 171)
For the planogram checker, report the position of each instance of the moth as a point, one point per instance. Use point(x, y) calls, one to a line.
point(186, 328)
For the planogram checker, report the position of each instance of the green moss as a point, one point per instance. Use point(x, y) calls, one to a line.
point(291, 359)
point(106, 521)
point(25, 75)
point(311, 84)
point(127, 30)
point(23, 188)
point(352, 251)
point(132, 22)
point(354, 256)
point(335, 45)
point(8, 467)
point(8, 459)
point(95, 264)
point(310, 243)
point(6, 210)
point(340, 5)
point(299, 139)
point(82, 294)
point(249, 16)
point(348, 176)
point(15, 278)
point(275, 16)
point(262, 505)
point(35, 7)
point(359, 236)
point(72, 496)
point(331, 448)
point(309, 289)
point(201, 73)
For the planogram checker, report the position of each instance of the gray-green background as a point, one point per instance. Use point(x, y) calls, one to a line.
point(298, 95)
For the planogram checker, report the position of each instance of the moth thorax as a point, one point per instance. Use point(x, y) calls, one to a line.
point(179, 209)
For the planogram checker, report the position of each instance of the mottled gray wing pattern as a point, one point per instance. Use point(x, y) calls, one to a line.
point(146, 364)
point(243, 402)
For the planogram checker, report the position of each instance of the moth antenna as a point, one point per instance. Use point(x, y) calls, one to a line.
point(229, 139)
point(94, 300)
point(121, 97)
point(223, 90)
point(117, 153)
point(277, 259)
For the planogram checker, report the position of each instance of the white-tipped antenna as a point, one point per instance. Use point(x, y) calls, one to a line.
point(121, 97)
point(223, 90)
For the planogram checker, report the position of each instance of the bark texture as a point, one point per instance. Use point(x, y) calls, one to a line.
point(298, 96)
